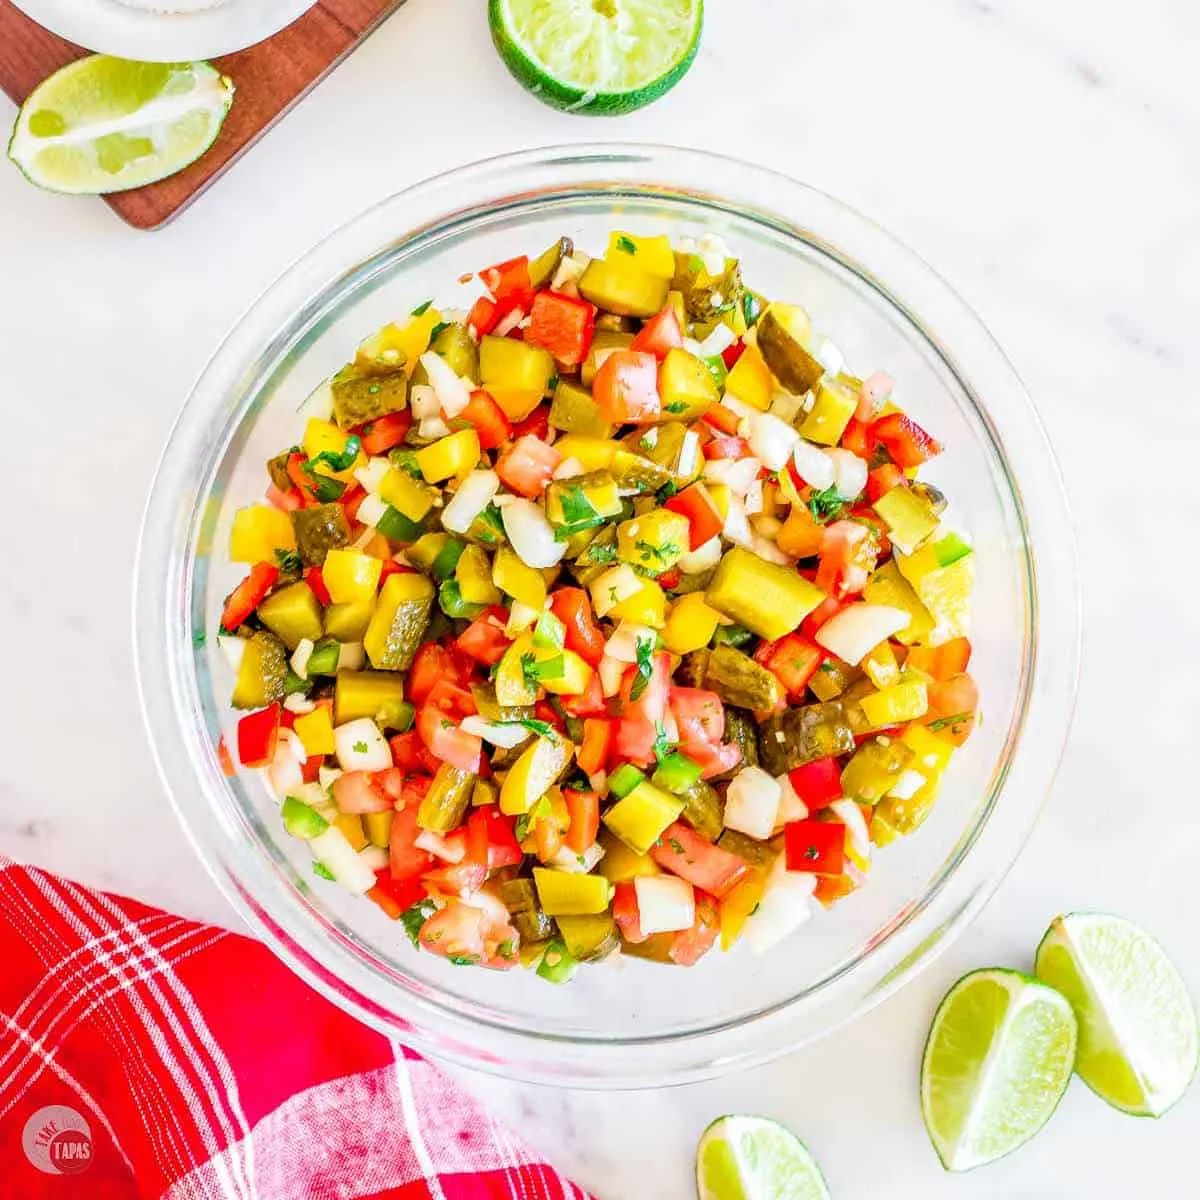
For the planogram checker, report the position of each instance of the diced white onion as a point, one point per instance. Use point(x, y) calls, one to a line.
point(827, 354)
point(375, 857)
point(312, 794)
point(499, 733)
point(771, 439)
point(520, 618)
point(740, 407)
point(361, 747)
point(371, 476)
point(284, 774)
point(331, 848)
point(908, 784)
point(351, 656)
point(616, 585)
point(452, 393)
point(737, 474)
point(326, 776)
point(509, 322)
point(852, 633)
point(301, 655)
point(371, 509)
point(813, 465)
point(851, 816)
point(473, 496)
point(693, 347)
point(849, 473)
point(569, 270)
point(602, 354)
point(737, 524)
point(423, 400)
point(714, 251)
point(433, 428)
point(791, 807)
point(233, 648)
point(435, 844)
point(531, 534)
point(665, 903)
point(785, 905)
point(568, 469)
point(752, 803)
point(624, 642)
point(689, 455)
point(569, 861)
point(754, 499)
point(611, 672)
point(298, 704)
point(768, 551)
point(703, 558)
point(291, 739)
point(718, 341)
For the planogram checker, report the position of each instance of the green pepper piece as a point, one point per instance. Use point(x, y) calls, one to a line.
point(324, 657)
point(446, 802)
point(318, 530)
point(676, 773)
point(624, 779)
point(360, 398)
point(800, 735)
point(300, 820)
point(396, 527)
point(451, 602)
point(731, 635)
point(557, 965)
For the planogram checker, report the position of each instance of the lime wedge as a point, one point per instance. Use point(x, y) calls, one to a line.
point(752, 1158)
point(600, 57)
point(105, 124)
point(997, 1062)
point(1138, 1041)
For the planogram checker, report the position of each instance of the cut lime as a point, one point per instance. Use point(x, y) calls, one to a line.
point(1138, 1041)
point(105, 124)
point(600, 57)
point(998, 1059)
point(752, 1158)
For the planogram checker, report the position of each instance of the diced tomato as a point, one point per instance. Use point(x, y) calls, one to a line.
point(248, 595)
point(828, 608)
point(543, 710)
point(316, 581)
point(952, 705)
point(356, 792)
point(573, 607)
point(391, 783)
point(509, 284)
point(848, 553)
point(907, 443)
point(816, 847)
point(699, 714)
point(714, 759)
point(882, 479)
point(690, 945)
point(451, 698)
point(637, 728)
point(723, 419)
point(226, 762)
point(683, 852)
point(380, 435)
point(433, 662)
point(484, 639)
point(537, 424)
point(584, 811)
point(400, 895)
point(732, 353)
point(455, 931)
point(502, 847)
point(793, 660)
point(703, 516)
point(410, 754)
point(528, 466)
point(832, 888)
point(257, 735)
point(287, 501)
point(625, 913)
point(726, 446)
point(405, 859)
point(456, 879)
point(590, 703)
point(858, 438)
point(547, 839)
point(670, 579)
point(626, 388)
point(660, 334)
point(593, 751)
point(818, 783)
point(445, 740)
point(484, 316)
point(383, 899)
point(352, 497)
point(310, 768)
point(488, 420)
point(940, 662)
point(561, 325)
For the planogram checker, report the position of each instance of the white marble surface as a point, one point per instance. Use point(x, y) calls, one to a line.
point(1042, 156)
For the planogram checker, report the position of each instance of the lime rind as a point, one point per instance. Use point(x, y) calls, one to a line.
point(597, 57)
point(754, 1158)
point(1139, 1039)
point(104, 124)
point(996, 1065)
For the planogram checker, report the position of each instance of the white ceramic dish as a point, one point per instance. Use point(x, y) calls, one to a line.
point(136, 30)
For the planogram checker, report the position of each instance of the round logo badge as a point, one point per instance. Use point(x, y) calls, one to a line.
point(57, 1140)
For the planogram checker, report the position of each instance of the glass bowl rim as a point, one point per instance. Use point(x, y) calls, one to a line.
point(162, 633)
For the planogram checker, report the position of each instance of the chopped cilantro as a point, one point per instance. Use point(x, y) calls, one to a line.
point(675, 406)
point(598, 555)
point(438, 329)
point(667, 490)
point(541, 728)
point(811, 853)
point(652, 553)
point(663, 745)
point(406, 460)
point(319, 868)
point(614, 595)
point(507, 949)
point(199, 638)
point(751, 309)
point(826, 505)
point(646, 442)
point(645, 666)
point(289, 560)
point(535, 670)
point(463, 960)
point(626, 245)
point(422, 309)
point(946, 722)
point(695, 264)
point(526, 821)
point(341, 460)
point(551, 383)
point(413, 918)
point(675, 845)
point(577, 509)
point(491, 518)
point(359, 747)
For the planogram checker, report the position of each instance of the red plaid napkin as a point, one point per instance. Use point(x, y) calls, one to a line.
point(143, 1055)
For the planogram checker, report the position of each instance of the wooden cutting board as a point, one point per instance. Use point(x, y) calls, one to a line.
point(270, 78)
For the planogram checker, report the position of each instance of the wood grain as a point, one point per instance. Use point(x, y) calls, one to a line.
point(269, 77)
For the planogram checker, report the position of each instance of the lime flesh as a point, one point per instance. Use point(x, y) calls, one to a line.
point(753, 1158)
point(599, 57)
point(105, 124)
point(997, 1062)
point(1138, 1040)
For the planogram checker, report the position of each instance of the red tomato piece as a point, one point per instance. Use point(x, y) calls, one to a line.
point(573, 607)
point(528, 466)
point(819, 615)
point(626, 388)
point(722, 419)
point(357, 792)
point(380, 435)
point(726, 446)
point(857, 436)
point(683, 852)
point(817, 783)
point(732, 353)
point(882, 479)
point(584, 811)
point(310, 768)
point(287, 501)
point(660, 334)
point(593, 751)
point(537, 424)
point(907, 443)
point(690, 945)
point(484, 640)
point(446, 741)
point(488, 419)
point(952, 705)
point(455, 931)
point(703, 516)
point(714, 760)
point(561, 325)
point(257, 736)
point(590, 703)
point(484, 316)
point(831, 888)
point(433, 662)
point(405, 859)
point(940, 662)
point(452, 698)
point(500, 840)
point(400, 894)
point(793, 660)
point(848, 553)
point(637, 728)
point(248, 595)
point(625, 913)
point(816, 847)
point(410, 755)
point(699, 714)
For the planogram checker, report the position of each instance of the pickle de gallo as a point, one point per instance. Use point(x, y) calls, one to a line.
point(606, 613)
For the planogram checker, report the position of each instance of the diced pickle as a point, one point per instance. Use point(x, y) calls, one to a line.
point(705, 296)
point(703, 809)
point(686, 386)
point(319, 529)
point(620, 286)
point(364, 694)
point(603, 340)
point(742, 730)
point(636, 471)
point(574, 411)
point(490, 709)
point(277, 470)
point(293, 613)
point(543, 268)
point(348, 622)
point(766, 597)
point(457, 348)
point(358, 398)
point(589, 938)
point(832, 678)
point(262, 675)
point(760, 855)
point(782, 331)
point(528, 917)
point(399, 623)
point(693, 670)
point(445, 803)
point(875, 768)
point(800, 735)
point(739, 680)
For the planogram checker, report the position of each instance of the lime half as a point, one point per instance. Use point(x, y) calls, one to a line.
point(752, 1158)
point(105, 124)
point(998, 1059)
point(600, 57)
point(1138, 1041)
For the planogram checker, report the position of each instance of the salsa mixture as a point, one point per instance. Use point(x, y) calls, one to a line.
point(610, 614)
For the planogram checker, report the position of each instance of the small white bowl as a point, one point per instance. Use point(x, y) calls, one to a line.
point(146, 31)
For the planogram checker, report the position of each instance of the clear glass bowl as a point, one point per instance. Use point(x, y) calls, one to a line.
point(631, 1023)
